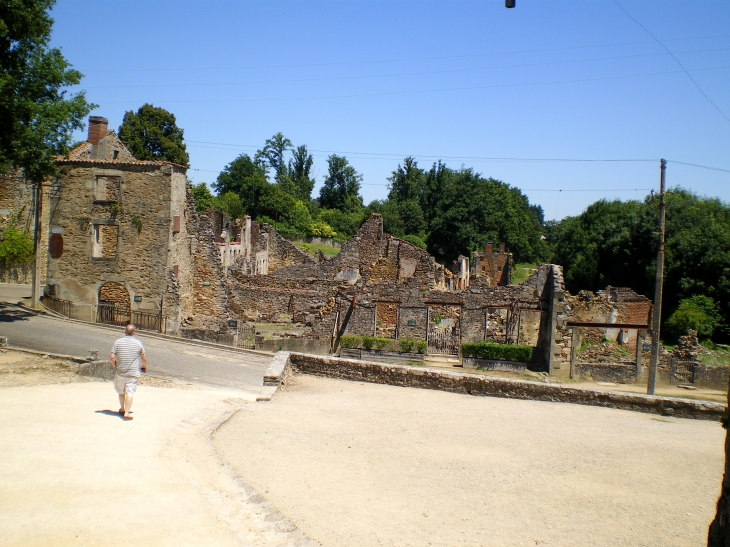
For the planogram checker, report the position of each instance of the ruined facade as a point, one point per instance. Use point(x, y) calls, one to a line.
point(379, 285)
point(127, 239)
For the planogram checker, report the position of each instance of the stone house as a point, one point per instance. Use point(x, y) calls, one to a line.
point(125, 242)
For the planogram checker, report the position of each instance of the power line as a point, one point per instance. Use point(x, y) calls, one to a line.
point(376, 61)
point(700, 166)
point(387, 93)
point(396, 75)
point(677, 60)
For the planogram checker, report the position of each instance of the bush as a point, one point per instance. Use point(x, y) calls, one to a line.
point(497, 352)
point(380, 343)
point(349, 342)
point(700, 313)
point(415, 240)
point(421, 347)
point(368, 342)
point(321, 229)
point(406, 345)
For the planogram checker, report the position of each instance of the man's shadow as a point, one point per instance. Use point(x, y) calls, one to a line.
point(112, 413)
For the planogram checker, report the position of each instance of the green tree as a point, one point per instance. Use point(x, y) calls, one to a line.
point(699, 312)
point(16, 246)
point(202, 197)
point(37, 117)
point(407, 182)
point(273, 155)
point(341, 189)
point(229, 203)
point(152, 134)
point(300, 168)
point(246, 178)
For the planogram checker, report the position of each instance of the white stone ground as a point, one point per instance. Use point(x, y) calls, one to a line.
point(73, 473)
point(367, 465)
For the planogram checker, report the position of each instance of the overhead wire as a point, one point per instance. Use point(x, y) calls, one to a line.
point(396, 75)
point(675, 58)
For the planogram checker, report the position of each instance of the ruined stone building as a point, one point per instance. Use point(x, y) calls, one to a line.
point(125, 241)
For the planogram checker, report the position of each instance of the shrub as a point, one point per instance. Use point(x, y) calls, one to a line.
point(504, 352)
point(421, 347)
point(415, 240)
point(406, 345)
point(348, 341)
point(368, 342)
point(380, 343)
point(321, 229)
point(699, 312)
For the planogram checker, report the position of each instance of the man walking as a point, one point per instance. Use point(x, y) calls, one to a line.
point(126, 356)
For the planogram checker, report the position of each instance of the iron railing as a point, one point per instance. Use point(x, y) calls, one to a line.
point(245, 337)
point(149, 321)
point(56, 304)
point(110, 313)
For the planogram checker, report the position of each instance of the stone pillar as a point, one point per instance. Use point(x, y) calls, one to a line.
point(640, 337)
point(575, 343)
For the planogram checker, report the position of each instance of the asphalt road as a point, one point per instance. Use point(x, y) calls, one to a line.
point(197, 364)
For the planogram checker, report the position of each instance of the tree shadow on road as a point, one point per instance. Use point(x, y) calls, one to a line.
point(11, 314)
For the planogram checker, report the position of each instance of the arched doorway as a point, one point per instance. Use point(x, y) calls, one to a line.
point(114, 304)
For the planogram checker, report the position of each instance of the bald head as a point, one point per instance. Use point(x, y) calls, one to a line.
point(129, 330)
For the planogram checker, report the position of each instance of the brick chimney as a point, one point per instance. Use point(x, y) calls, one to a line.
point(97, 129)
point(501, 247)
point(488, 249)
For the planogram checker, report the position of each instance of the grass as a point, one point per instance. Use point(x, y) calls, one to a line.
point(716, 359)
point(312, 249)
point(520, 272)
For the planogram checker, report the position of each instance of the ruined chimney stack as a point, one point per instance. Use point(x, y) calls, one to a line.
point(97, 129)
point(501, 247)
point(488, 249)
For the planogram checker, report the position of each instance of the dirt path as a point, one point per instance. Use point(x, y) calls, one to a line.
point(367, 465)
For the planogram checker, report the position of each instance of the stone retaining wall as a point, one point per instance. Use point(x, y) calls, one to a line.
point(472, 384)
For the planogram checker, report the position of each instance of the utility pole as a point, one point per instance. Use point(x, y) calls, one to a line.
point(659, 283)
point(36, 277)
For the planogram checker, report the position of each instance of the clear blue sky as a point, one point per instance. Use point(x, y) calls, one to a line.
point(376, 81)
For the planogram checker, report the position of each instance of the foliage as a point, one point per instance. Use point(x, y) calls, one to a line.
point(614, 243)
point(37, 117)
point(520, 272)
point(16, 247)
point(382, 343)
point(421, 347)
point(152, 134)
point(313, 248)
point(202, 197)
point(272, 156)
point(136, 222)
point(344, 224)
point(341, 189)
point(368, 342)
point(321, 229)
point(230, 203)
point(246, 178)
point(348, 341)
point(699, 312)
point(406, 345)
point(503, 352)
point(415, 240)
point(300, 169)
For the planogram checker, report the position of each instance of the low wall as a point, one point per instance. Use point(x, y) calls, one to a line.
point(606, 372)
point(382, 356)
point(472, 384)
point(711, 377)
point(489, 364)
point(96, 369)
point(303, 345)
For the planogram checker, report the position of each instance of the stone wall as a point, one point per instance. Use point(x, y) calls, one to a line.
point(473, 384)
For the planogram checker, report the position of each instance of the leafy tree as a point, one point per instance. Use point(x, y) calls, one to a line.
point(341, 189)
point(204, 200)
point(37, 117)
point(246, 178)
point(345, 224)
point(614, 243)
point(699, 312)
point(300, 168)
point(273, 155)
point(321, 229)
point(230, 203)
point(407, 182)
point(16, 247)
point(152, 134)
point(415, 240)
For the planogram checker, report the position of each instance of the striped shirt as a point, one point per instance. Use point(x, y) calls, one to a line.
point(126, 351)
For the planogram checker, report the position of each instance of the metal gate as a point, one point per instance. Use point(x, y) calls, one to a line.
point(683, 371)
point(245, 337)
point(443, 342)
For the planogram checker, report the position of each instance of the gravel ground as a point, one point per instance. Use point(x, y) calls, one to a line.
point(366, 465)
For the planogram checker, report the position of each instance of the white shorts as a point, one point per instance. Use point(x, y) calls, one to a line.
point(125, 384)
